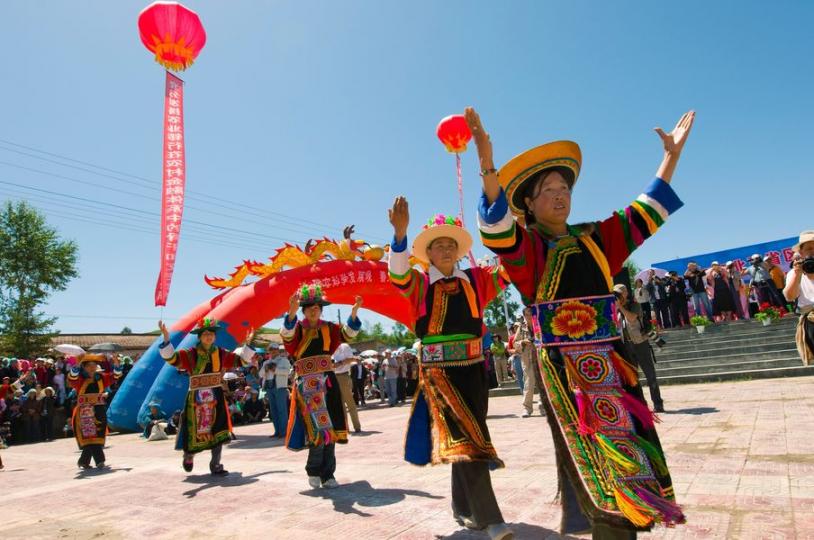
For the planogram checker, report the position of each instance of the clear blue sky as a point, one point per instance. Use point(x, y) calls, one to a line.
point(312, 115)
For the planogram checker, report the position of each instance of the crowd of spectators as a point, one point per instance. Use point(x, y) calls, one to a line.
point(36, 402)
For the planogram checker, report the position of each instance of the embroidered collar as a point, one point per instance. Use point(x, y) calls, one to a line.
point(307, 324)
point(435, 275)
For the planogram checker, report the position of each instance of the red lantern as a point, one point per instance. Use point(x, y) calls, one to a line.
point(173, 32)
point(454, 133)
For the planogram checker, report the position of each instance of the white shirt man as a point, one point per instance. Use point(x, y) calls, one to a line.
point(343, 357)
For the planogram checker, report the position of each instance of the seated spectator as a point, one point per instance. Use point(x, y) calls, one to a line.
point(152, 419)
point(236, 412)
point(254, 409)
point(172, 425)
point(253, 379)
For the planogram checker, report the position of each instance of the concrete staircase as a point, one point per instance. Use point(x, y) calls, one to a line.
point(740, 350)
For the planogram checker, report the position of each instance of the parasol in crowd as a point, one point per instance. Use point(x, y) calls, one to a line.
point(70, 350)
point(369, 353)
point(106, 347)
point(644, 275)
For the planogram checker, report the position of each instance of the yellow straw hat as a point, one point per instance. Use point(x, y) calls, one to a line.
point(442, 226)
point(564, 156)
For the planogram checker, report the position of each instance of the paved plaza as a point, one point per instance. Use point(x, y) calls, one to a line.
point(740, 455)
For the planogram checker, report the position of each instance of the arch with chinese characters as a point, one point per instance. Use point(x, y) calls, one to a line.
point(245, 307)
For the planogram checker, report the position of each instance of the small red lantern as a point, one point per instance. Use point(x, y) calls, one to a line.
point(173, 32)
point(454, 133)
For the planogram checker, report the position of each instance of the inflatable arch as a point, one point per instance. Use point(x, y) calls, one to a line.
point(246, 306)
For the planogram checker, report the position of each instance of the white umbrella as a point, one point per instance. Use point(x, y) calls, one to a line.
point(70, 350)
point(368, 353)
point(644, 275)
point(229, 376)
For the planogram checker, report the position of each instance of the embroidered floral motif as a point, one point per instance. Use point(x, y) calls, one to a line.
point(574, 320)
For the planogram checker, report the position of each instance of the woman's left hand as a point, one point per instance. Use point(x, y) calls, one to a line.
point(674, 141)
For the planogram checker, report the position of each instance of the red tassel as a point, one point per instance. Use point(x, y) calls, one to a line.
point(639, 410)
point(584, 408)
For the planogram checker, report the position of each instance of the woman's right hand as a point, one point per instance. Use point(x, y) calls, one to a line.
point(399, 217)
point(293, 304)
point(491, 186)
point(164, 332)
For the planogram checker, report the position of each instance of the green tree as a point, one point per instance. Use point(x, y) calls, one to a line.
point(126, 331)
point(402, 336)
point(494, 314)
point(34, 262)
point(632, 269)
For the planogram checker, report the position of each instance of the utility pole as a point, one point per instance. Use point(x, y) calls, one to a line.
point(338, 317)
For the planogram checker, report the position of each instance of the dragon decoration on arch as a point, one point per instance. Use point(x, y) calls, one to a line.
point(315, 251)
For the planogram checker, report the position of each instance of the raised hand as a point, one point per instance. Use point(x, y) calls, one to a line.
point(491, 186)
point(356, 305)
point(674, 141)
point(293, 305)
point(164, 332)
point(399, 217)
point(482, 140)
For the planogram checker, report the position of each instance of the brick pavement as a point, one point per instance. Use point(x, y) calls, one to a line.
point(738, 453)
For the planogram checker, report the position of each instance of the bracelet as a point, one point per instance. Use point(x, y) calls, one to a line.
point(484, 172)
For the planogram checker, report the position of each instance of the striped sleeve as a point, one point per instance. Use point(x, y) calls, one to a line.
point(628, 228)
point(516, 249)
point(177, 359)
point(410, 282)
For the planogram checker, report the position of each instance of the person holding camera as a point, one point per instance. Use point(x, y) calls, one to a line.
point(698, 285)
point(635, 336)
point(800, 286)
point(762, 282)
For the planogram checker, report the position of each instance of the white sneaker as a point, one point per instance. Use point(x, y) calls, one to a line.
point(314, 481)
point(499, 531)
point(525, 414)
point(331, 483)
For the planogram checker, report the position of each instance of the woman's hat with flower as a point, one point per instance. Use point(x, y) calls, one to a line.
point(514, 176)
point(207, 324)
point(442, 226)
point(91, 357)
point(312, 295)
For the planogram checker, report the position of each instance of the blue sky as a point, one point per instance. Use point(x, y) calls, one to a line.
point(302, 117)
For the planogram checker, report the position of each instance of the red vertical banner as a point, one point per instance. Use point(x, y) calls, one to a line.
point(174, 179)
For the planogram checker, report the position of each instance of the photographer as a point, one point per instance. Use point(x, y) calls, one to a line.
point(800, 286)
point(762, 282)
point(695, 276)
point(634, 333)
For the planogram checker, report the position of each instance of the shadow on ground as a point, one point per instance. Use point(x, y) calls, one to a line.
point(522, 531)
point(249, 442)
point(83, 474)
point(362, 493)
point(233, 479)
point(694, 411)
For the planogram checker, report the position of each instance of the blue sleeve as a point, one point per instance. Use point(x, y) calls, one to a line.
point(492, 213)
point(399, 247)
point(354, 324)
point(290, 325)
point(664, 194)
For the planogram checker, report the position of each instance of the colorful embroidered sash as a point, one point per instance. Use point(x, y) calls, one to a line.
point(615, 464)
point(311, 380)
point(576, 320)
point(451, 353)
point(207, 380)
point(313, 364)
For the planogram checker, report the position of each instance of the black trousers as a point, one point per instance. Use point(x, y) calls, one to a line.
point(472, 493)
point(663, 313)
point(321, 461)
point(644, 356)
point(401, 388)
point(214, 461)
point(679, 312)
point(359, 391)
point(97, 451)
point(647, 312)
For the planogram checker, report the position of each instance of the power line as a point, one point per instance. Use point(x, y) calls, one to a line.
point(297, 220)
